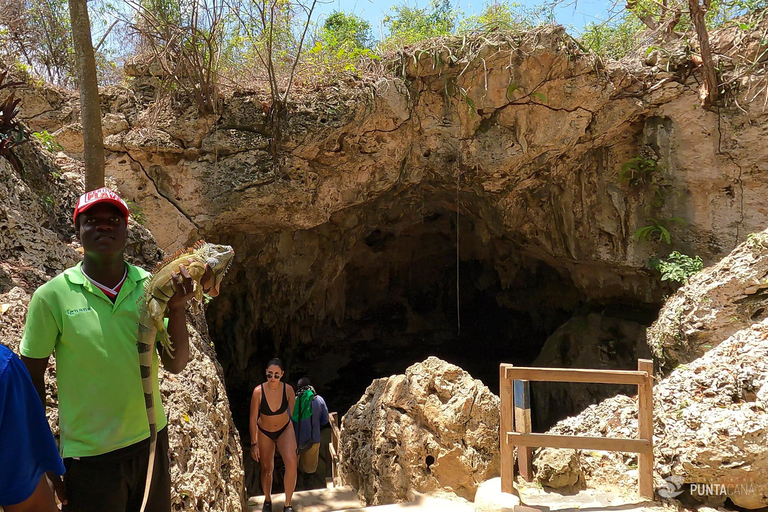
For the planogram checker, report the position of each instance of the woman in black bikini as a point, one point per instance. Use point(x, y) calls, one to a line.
point(270, 425)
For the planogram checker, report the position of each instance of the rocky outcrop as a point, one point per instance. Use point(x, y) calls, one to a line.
point(35, 232)
point(591, 341)
point(715, 303)
point(433, 428)
point(710, 425)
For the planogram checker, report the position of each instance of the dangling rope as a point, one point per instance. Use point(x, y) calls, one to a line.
point(458, 302)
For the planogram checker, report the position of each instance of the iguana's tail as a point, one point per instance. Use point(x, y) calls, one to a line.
point(145, 344)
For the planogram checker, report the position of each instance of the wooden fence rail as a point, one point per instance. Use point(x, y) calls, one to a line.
point(516, 419)
point(333, 447)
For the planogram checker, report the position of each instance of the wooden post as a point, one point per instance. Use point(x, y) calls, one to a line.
point(645, 424)
point(506, 424)
point(522, 402)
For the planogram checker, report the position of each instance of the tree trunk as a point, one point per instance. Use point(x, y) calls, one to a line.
point(710, 91)
point(90, 103)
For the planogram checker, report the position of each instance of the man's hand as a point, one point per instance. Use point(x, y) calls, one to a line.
point(255, 451)
point(57, 484)
point(184, 289)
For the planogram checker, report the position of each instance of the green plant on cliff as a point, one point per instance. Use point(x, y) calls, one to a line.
point(137, 212)
point(658, 230)
point(678, 267)
point(47, 140)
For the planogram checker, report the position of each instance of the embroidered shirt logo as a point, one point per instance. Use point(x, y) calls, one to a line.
point(73, 312)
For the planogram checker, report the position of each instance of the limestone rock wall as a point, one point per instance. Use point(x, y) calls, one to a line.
point(530, 131)
point(433, 428)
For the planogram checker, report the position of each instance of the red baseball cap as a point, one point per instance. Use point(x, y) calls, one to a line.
point(101, 195)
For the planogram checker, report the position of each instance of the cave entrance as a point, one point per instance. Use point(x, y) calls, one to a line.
point(365, 297)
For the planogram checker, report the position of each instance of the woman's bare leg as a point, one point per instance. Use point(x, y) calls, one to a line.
point(267, 461)
point(286, 445)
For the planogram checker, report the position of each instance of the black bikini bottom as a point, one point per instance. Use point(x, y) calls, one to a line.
point(276, 434)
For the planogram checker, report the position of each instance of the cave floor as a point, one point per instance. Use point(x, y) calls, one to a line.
point(535, 499)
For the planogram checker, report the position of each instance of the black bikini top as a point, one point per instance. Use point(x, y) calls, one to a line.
point(264, 407)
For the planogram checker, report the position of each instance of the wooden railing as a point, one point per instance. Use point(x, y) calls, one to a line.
point(516, 419)
point(333, 447)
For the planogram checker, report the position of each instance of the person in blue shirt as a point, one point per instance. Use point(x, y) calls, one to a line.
point(27, 448)
point(310, 415)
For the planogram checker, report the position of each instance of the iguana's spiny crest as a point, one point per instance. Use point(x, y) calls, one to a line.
point(207, 265)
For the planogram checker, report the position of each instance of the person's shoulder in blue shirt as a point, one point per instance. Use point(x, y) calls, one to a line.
point(27, 447)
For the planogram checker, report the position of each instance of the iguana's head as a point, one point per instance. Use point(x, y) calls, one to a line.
point(218, 259)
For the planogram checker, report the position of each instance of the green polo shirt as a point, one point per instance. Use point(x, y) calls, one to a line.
point(101, 402)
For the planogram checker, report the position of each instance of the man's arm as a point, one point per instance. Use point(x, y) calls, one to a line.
point(177, 323)
point(36, 368)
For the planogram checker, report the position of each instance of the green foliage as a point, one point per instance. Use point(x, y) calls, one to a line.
point(340, 43)
point(342, 29)
point(658, 230)
point(137, 212)
point(47, 140)
point(639, 170)
point(48, 201)
point(505, 15)
point(408, 25)
point(678, 267)
point(612, 40)
point(37, 32)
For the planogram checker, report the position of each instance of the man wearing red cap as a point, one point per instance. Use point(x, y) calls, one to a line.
point(88, 317)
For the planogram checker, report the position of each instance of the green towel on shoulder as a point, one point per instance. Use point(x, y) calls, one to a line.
point(303, 407)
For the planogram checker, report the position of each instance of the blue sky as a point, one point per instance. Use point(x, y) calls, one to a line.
point(571, 13)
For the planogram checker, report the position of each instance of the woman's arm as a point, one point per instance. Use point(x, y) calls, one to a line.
point(254, 422)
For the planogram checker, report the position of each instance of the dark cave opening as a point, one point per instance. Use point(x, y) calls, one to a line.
point(406, 293)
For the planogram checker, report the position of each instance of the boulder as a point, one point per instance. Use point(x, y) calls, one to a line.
point(592, 341)
point(714, 304)
point(433, 428)
point(558, 468)
point(489, 498)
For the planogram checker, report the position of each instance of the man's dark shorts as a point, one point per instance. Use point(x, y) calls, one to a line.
point(114, 481)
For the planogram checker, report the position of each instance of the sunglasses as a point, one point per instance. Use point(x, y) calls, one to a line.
point(271, 375)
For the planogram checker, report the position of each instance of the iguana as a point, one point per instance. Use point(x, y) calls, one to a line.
point(207, 264)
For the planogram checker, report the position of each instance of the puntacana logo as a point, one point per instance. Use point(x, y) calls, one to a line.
point(673, 486)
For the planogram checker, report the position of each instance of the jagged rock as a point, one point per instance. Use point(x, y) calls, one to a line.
point(710, 424)
point(558, 468)
point(70, 137)
point(591, 341)
point(714, 304)
point(114, 123)
point(434, 427)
